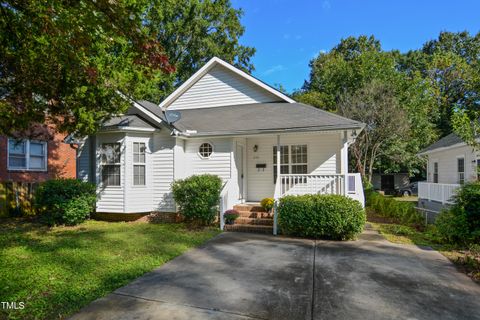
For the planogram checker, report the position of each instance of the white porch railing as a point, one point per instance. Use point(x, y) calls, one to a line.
point(227, 198)
point(349, 185)
point(299, 184)
point(440, 192)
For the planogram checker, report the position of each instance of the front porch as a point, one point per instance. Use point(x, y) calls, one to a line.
point(274, 166)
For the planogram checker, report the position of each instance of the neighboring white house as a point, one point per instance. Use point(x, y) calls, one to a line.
point(451, 162)
point(231, 124)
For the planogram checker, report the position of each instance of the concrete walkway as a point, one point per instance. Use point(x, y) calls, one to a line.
point(247, 276)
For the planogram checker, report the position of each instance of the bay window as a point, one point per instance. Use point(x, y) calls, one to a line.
point(110, 164)
point(139, 163)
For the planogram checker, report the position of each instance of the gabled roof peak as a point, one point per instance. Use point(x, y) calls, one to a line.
point(215, 61)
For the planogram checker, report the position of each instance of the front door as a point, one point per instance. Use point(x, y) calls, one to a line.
point(240, 170)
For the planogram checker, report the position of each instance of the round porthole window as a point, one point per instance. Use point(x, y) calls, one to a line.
point(205, 150)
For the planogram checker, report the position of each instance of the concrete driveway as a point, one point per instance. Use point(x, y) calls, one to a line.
point(247, 276)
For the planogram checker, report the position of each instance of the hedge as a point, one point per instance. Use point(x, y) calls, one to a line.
point(321, 216)
point(65, 201)
point(197, 197)
point(461, 223)
point(402, 211)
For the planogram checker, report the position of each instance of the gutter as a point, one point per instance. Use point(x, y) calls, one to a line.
point(268, 131)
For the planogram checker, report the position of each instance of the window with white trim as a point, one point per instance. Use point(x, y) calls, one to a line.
point(435, 172)
point(139, 163)
point(461, 170)
point(293, 159)
point(27, 155)
point(205, 150)
point(110, 164)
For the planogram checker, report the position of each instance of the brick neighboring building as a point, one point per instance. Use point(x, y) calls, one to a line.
point(36, 160)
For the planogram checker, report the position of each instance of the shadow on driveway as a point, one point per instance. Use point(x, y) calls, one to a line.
point(247, 276)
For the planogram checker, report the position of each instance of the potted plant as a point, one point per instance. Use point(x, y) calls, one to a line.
point(230, 216)
point(267, 204)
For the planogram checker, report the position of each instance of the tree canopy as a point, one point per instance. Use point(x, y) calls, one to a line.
point(436, 86)
point(64, 62)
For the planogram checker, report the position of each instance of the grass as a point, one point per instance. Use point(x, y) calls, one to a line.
point(467, 259)
point(56, 271)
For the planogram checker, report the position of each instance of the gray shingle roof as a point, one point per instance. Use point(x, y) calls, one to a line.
point(444, 142)
point(256, 118)
point(130, 121)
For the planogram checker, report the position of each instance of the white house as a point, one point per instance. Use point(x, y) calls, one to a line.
point(258, 140)
point(450, 163)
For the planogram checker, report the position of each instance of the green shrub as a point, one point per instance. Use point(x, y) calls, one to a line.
point(321, 216)
point(197, 197)
point(402, 211)
point(267, 204)
point(65, 201)
point(461, 223)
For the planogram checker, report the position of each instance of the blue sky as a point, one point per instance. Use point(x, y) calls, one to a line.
point(288, 33)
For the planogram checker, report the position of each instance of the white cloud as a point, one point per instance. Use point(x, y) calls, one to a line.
point(298, 37)
point(286, 36)
point(326, 5)
point(277, 68)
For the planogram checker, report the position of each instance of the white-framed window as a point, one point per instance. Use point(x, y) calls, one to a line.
point(139, 163)
point(461, 170)
point(205, 150)
point(293, 159)
point(435, 172)
point(27, 155)
point(110, 164)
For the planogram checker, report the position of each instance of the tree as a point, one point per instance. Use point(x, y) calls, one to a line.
point(386, 123)
point(192, 32)
point(356, 62)
point(451, 65)
point(63, 62)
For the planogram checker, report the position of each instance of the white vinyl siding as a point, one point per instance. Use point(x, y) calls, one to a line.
point(221, 87)
point(83, 160)
point(448, 165)
point(323, 151)
point(219, 163)
point(162, 172)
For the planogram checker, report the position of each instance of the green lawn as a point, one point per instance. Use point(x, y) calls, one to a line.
point(56, 271)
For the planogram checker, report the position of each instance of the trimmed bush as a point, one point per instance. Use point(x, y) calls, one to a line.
point(461, 223)
point(402, 211)
point(65, 201)
point(267, 204)
point(197, 197)
point(321, 216)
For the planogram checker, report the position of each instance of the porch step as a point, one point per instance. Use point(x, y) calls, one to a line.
point(255, 207)
point(249, 228)
point(254, 221)
point(257, 215)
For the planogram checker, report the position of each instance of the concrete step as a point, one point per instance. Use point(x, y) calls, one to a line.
point(257, 214)
point(254, 221)
point(249, 228)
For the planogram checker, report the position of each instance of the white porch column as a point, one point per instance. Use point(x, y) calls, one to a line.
point(344, 162)
point(275, 210)
point(278, 156)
